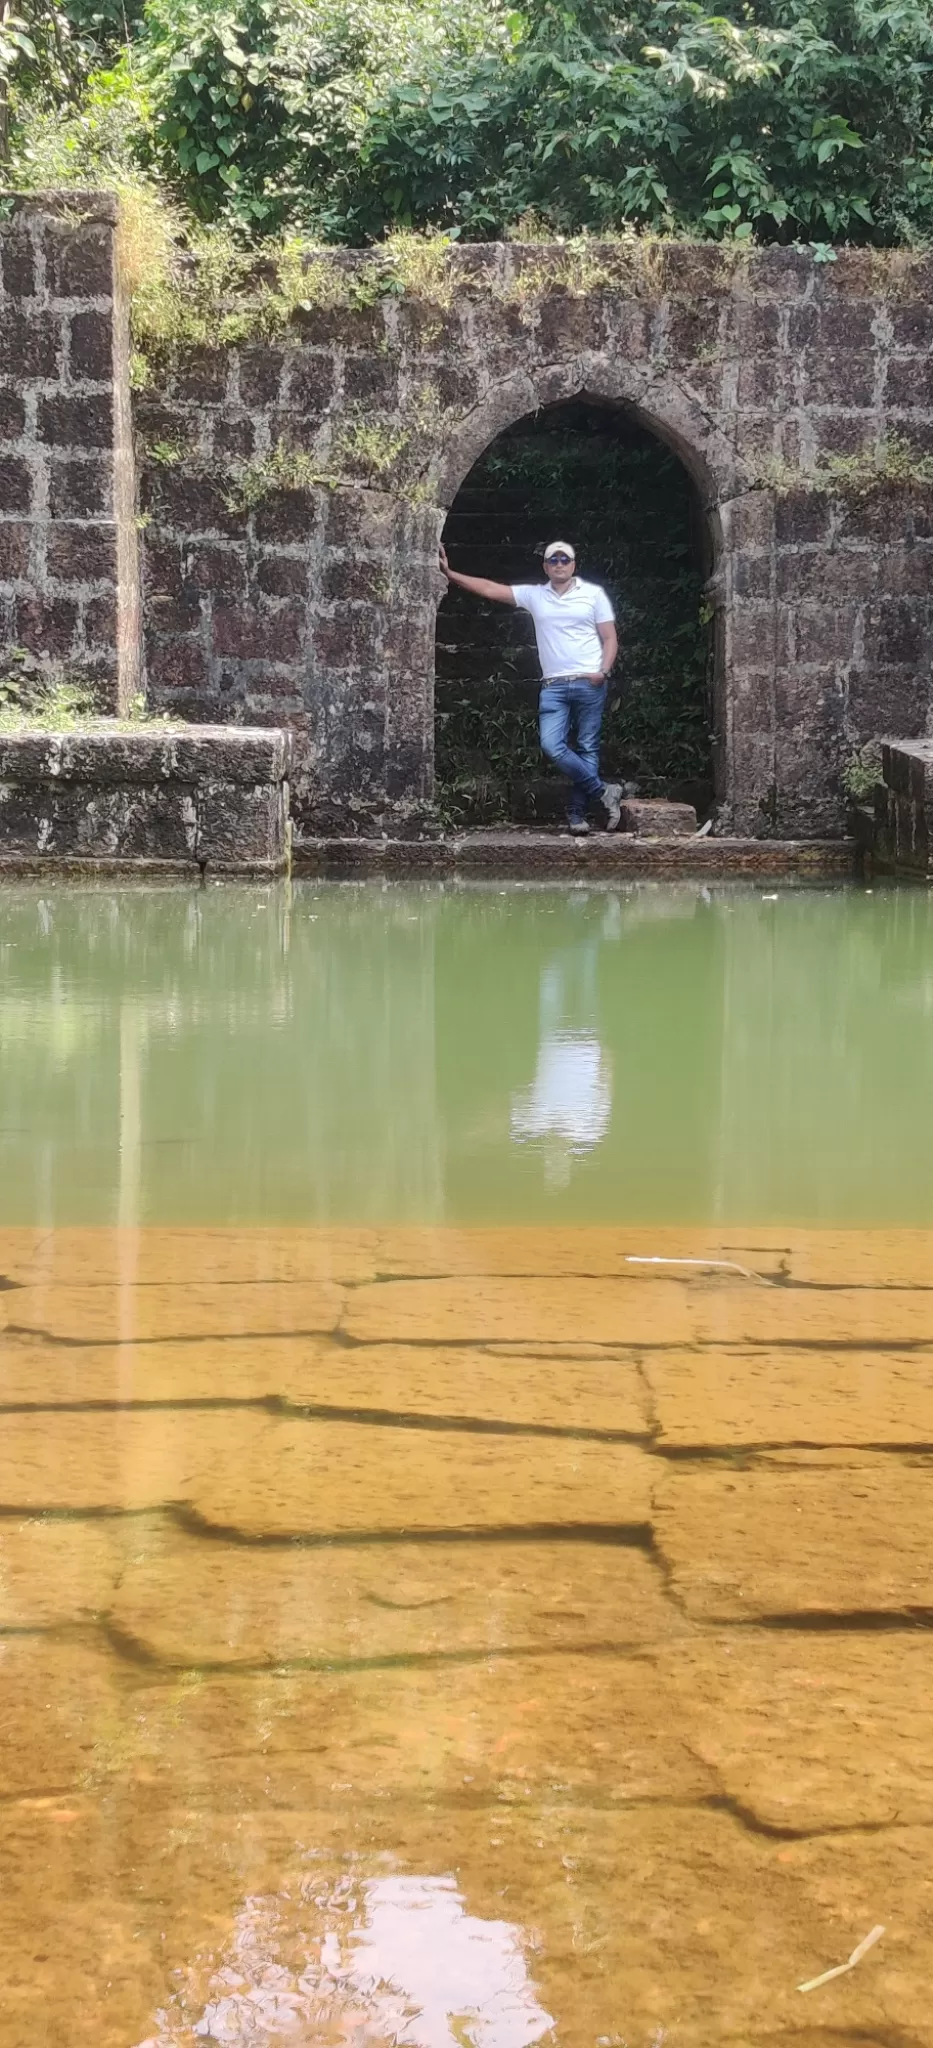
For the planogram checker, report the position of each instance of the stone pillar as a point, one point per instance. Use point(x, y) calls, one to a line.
point(68, 575)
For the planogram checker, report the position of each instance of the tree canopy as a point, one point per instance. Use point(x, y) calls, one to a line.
point(778, 120)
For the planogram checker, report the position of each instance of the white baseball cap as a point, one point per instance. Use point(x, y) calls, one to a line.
point(559, 547)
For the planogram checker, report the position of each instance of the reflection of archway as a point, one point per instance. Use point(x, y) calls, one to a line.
point(597, 473)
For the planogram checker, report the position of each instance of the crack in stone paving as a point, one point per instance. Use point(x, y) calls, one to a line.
point(281, 1407)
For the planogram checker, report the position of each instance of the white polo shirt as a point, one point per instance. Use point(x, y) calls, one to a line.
point(565, 625)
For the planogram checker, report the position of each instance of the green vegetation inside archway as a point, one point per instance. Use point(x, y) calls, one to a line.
point(593, 476)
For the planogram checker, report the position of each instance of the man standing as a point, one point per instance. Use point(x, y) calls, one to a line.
point(577, 646)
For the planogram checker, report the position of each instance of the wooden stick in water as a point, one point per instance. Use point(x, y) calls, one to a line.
point(841, 1968)
point(708, 1265)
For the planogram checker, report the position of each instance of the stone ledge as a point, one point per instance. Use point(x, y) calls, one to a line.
point(532, 855)
point(243, 755)
point(213, 799)
point(899, 837)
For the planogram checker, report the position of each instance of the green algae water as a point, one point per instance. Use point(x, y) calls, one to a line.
point(466, 1467)
point(362, 1053)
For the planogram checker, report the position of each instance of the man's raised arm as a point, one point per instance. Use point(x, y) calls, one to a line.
point(479, 586)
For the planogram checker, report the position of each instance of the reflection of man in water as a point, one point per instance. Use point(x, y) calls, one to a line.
point(568, 1105)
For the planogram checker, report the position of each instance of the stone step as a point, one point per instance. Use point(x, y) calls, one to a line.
point(658, 818)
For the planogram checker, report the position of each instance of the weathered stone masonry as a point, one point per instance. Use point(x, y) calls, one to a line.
point(316, 609)
point(68, 553)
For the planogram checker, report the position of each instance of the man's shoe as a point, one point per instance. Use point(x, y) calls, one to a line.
point(578, 826)
point(611, 801)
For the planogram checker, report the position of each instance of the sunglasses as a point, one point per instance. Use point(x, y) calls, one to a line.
point(563, 560)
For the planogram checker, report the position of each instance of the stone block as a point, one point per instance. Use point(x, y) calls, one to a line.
point(408, 643)
point(358, 327)
point(282, 576)
point(165, 614)
point(261, 376)
point(434, 331)
point(238, 826)
point(885, 699)
point(568, 327)
point(29, 344)
point(15, 484)
point(82, 552)
point(80, 489)
point(848, 326)
point(222, 569)
point(823, 575)
point(370, 381)
point(882, 515)
point(822, 633)
point(255, 635)
point(841, 432)
point(114, 760)
point(15, 546)
point(192, 503)
point(360, 518)
point(763, 382)
point(46, 625)
point(897, 630)
point(200, 377)
point(241, 757)
point(90, 346)
point(750, 635)
point(29, 758)
point(912, 326)
point(748, 522)
point(12, 413)
point(781, 274)
point(163, 566)
point(909, 384)
point(79, 262)
point(234, 437)
point(350, 640)
point(179, 665)
point(353, 579)
point(841, 379)
point(753, 576)
point(17, 264)
point(292, 518)
point(100, 621)
point(757, 329)
point(309, 382)
point(69, 422)
point(655, 818)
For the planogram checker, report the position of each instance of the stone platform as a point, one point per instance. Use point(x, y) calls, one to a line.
point(183, 801)
point(545, 856)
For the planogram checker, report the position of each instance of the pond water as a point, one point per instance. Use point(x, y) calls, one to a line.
point(466, 1372)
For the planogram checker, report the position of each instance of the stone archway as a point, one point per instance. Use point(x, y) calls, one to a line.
point(485, 688)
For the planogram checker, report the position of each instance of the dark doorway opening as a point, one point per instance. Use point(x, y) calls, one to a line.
point(591, 474)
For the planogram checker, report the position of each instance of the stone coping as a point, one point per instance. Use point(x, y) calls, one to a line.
point(243, 755)
point(540, 854)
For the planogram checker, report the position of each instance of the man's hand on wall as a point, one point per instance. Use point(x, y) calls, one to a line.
point(442, 559)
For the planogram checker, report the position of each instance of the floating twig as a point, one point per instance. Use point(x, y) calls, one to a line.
point(709, 1265)
point(841, 1968)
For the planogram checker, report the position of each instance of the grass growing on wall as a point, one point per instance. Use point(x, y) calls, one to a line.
point(593, 477)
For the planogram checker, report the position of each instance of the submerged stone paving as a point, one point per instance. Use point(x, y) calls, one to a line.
point(476, 1637)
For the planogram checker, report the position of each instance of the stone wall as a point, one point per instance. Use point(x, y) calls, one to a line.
point(900, 835)
point(197, 802)
point(68, 553)
point(315, 609)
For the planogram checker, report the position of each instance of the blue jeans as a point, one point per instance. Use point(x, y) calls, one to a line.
point(563, 699)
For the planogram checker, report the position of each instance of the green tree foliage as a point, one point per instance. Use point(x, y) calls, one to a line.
point(262, 107)
point(791, 120)
point(780, 119)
